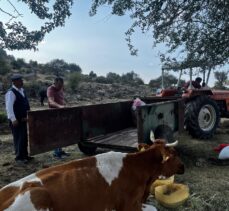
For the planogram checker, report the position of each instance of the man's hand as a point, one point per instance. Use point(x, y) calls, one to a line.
point(15, 123)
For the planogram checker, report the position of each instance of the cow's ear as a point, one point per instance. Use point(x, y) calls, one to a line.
point(142, 147)
point(164, 155)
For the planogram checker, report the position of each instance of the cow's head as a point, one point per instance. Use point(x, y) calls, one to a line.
point(171, 163)
point(166, 157)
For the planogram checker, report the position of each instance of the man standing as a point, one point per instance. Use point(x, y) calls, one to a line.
point(55, 96)
point(17, 106)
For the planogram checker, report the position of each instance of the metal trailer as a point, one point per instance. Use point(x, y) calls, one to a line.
point(111, 125)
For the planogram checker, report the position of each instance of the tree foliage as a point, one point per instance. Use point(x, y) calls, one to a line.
point(4, 63)
point(197, 29)
point(131, 78)
point(58, 67)
point(221, 79)
point(92, 74)
point(15, 35)
point(113, 77)
point(73, 80)
point(4, 67)
point(18, 63)
point(169, 81)
point(72, 67)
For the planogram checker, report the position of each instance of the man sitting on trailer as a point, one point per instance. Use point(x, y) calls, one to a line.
point(196, 84)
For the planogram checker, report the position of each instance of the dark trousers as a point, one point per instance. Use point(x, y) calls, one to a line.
point(20, 140)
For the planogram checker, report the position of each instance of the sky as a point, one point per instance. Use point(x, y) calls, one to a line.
point(94, 43)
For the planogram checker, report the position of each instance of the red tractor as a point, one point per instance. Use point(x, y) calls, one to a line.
point(203, 107)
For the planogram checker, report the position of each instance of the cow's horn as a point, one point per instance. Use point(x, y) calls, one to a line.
point(172, 144)
point(152, 137)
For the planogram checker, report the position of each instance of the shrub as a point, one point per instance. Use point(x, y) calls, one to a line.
point(32, 88)
point(73, 80)
point(101, 79)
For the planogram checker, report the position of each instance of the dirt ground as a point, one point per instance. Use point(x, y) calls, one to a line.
point(208, 183)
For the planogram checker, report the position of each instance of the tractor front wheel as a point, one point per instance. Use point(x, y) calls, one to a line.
point(202, 117)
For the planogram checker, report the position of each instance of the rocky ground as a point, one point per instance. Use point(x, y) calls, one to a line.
point(208, 183)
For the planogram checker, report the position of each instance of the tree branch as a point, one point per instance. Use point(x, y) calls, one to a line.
point(15, 10)
point(12, 16)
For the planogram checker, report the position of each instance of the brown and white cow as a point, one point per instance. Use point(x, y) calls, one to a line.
point(110, 181)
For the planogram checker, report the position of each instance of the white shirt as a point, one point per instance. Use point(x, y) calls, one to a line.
point(10, 99)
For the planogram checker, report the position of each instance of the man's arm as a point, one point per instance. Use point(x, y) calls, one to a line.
point(53, 104)
point(10, 99)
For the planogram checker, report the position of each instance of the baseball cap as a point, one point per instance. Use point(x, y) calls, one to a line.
point(15, 77)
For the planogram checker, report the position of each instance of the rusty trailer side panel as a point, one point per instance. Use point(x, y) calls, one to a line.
point(110, 125)
point(102, 119)
point(52, 128)
point(168, 115)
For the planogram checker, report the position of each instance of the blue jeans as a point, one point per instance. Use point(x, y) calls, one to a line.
point(58, 152)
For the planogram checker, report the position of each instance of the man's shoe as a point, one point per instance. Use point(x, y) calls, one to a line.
point(21, 161)
point(57, 155)
point(63, 153)
point(29, 158)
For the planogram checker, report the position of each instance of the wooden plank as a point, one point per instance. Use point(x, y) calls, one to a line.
point(125, 138)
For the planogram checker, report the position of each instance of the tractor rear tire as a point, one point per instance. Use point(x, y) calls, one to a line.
point(202, 117)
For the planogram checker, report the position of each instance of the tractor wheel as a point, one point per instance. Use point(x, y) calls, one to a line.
point(202, 117)
point(86, 149)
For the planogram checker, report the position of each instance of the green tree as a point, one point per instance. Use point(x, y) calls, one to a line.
point(101, 79)
point(74, 68)
point(18, 63)
point(197, 29)
point(92, 75)
point(131, 78)
point(73, 80)
point(15, 35)
point(169, 81)
point(4, 64)
point(4, 67)
point(3, 54)
point(57, 67)
point(221, 79)
point(113, 77)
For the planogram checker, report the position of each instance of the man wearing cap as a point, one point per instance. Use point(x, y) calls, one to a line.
point(17, 106)
point(196, 84)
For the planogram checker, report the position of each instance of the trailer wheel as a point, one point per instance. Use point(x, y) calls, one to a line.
point(202, 117)
point(86, 149)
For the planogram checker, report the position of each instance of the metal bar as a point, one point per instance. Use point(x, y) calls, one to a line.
point(178, 82)
point(190, 79)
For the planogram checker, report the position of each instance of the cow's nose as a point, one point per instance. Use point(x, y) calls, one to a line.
point(181, 169)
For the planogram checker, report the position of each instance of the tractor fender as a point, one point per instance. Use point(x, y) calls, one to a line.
point(191, 94)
